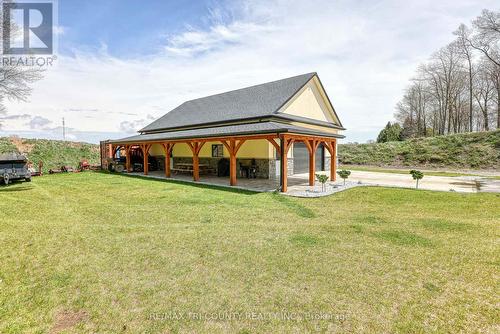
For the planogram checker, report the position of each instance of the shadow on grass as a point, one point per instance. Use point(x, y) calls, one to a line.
point(298, 208)
point(403, 238)
point(13, 188)
point(445, 225)
point(370, 220)
point(303, 240)
point(187, 183)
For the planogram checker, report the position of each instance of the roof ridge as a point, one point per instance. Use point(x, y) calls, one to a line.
point(252, 101)
point(311, 74)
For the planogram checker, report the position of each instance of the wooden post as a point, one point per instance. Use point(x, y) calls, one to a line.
point(111, 150)
point(195, 148)
point(167, 147)
point(311, 144)
point(127, 161)
point(285, 146)
point(233, 148)
point(331, 147)
point(167, 164)
point(284, 165)
point(312, 161)
point(145, 164)
point(196, 167)
point(312, 168)
point(333, 160)
point(232, 164)
point(145, 150)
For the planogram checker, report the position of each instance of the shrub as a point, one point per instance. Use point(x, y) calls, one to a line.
point(322, 179)
point(344, 174)
point(417, 175)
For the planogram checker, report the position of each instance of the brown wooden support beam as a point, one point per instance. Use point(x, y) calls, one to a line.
point(232, 165)
point(333, 160)
point(330, 145)
point(196, 148)
point(312, 145)
point(275, 144)
point(167, 148)
point(127, 161)
point(233, 147)
point(145, 150)
point(111, 149)
point(286, 144)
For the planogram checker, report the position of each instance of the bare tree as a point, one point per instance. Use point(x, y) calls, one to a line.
point(15, 80)
point(484, 93)
point(458, 88)
point(493, 73)
point(466, 50)
point(487, 35)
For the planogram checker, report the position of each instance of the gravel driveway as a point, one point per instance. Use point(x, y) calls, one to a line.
point(464, 184)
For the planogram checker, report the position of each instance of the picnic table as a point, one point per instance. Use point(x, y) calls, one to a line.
point(188, 168)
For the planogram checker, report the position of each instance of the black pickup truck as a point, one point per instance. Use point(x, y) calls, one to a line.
point(13, 167)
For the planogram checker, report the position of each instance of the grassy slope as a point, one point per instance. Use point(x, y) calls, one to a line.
point(112, 250)
point(53, 153)
point(473, 150)
point(6, 145)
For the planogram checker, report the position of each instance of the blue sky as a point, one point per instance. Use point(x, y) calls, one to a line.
point(127, 28)
point(122, 64)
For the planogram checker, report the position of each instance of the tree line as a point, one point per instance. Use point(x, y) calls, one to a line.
point(458, 89)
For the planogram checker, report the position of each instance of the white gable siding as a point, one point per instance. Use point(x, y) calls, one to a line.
point(310, 102)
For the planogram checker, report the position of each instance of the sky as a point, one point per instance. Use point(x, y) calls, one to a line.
point(121, 64)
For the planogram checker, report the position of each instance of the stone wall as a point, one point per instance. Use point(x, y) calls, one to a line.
point(273, 166)
point(290, 166)
point(276, 163)
point(327, 163)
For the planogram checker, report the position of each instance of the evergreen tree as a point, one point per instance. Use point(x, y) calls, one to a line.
point(391, 132)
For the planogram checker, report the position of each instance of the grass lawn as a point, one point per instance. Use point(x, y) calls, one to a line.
point(104, 253)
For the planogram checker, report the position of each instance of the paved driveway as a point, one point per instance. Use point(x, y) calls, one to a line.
point(469, 184)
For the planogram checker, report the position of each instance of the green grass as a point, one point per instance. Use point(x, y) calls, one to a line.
point(469, 150)
point(53, 153)
point(102, 253)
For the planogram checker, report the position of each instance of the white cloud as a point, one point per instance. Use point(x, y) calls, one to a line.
point(59, 30)
point(364, 53)
point(39, 122)
point(134, 126)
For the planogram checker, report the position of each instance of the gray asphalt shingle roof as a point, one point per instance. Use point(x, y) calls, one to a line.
point(255, 101)
point(219, 131)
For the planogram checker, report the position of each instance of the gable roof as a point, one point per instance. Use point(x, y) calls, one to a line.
point(226, 130)
point(256, 101)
